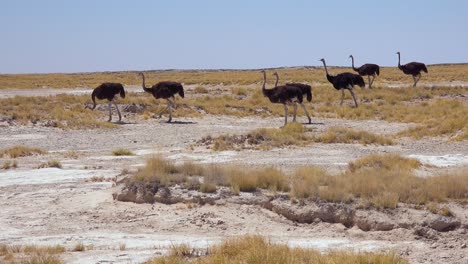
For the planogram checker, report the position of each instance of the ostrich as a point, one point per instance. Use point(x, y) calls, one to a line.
point(108, 91)
point(367, 69)
point(344, 81)
point(282, 95)
point(165, 90)
point(306, 90)
point(412, 68)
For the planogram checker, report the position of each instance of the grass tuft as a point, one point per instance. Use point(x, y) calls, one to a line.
point(122, 152)
point(347, 136)
point(20, 151)
point(256, 250)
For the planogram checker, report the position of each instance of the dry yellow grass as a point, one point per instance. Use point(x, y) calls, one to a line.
point(50, 164)
point(258, 250)
point(12, 254)
point(20, 151)
point(437, 73)
point(380, 181)
point(122, 152)
point(62, 111)
point(346, 135)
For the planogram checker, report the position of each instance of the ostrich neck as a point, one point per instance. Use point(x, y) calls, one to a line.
point(399, 65)
point(325, 65)
point(352, 63)
point(277, 78)
point(143, 83)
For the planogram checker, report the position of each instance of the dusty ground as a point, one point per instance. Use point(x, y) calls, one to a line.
point(61, 206)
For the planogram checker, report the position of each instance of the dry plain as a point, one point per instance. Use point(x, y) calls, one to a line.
point(74, 204)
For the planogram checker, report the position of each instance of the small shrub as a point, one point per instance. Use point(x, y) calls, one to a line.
point(79, 247)
point(200, 90)
point(122, 152)
point(20, 151)
point(51, 164)
point(347, 136)
point(207, 188)
point(8, 164)
point(122, 246)
point(386, 162)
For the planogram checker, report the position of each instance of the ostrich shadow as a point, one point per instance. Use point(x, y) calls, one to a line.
point(312, 123)
point(123, 123)
point(179, 123)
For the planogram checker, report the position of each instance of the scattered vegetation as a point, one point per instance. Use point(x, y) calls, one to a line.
point(122, 152)
point(264, 138)
point(30, 254)
point(435, 110)
point(79, 247)
point(256, 250)
point(50, 164)
point(8, 164)
point(380, 181)
point(122, 246)
point(71, 155)
point(439, 73)
point(347, 136)
point(20, 151)
point(61, 111)
point(200, 90)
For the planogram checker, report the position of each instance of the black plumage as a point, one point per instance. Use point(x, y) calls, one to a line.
point(282, 95)
point(108, 91)
point(412, 68)
point(165, 90)
point(344, 81)
point(367, 69)
point(305, 89)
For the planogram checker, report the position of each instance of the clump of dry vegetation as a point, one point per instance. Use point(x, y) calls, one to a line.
point(8, 164)
point(256, 250)
point(293, 134)
point(20, 151)
point(50, 164)
point(62, 111)
point(380, 181)
point(347, 136)
point(264, 138)
point(122, 152)
point(11, 254)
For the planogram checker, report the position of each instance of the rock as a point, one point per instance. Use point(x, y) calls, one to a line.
point(371, 220)
point(443, 223)
point(426, 233)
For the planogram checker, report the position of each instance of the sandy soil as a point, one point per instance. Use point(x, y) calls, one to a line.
point(62, 206)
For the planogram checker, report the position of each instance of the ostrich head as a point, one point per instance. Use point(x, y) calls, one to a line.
point(122, 93)
point(398, 53)
point(275, 74)
point(351, 56)
point(322, 60)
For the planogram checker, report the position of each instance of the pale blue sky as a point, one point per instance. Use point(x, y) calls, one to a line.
point(104, 35)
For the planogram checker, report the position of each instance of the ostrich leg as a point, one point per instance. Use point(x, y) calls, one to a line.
point(416, 81)
point(354, 97)
point(307, 113)
point(285, 114)
point(372, 82)
point(295, 112)
point(169, 106)
point(118, 112)
point(342, 96)
point(110, 111)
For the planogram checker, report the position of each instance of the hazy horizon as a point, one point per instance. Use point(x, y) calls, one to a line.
point(96, 36)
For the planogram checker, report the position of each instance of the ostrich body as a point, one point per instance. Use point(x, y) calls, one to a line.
point(367, 69)
point(282, 95)
point(108, 91)
point(412, 68)
point(165, 90)
point(305, 89)
point(344, 81)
